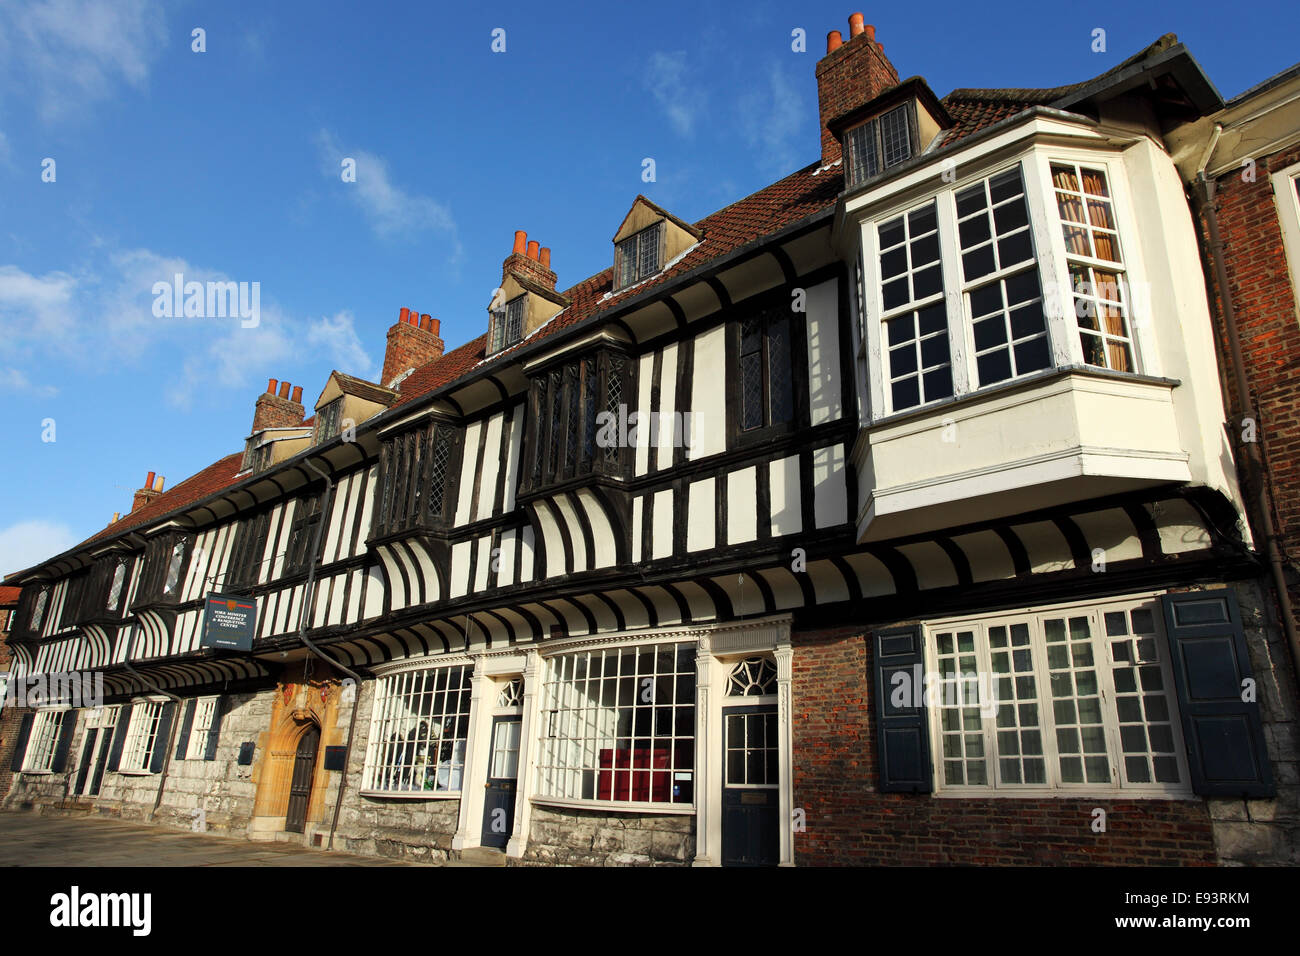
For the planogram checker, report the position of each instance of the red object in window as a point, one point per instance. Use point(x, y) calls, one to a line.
point(639, 775)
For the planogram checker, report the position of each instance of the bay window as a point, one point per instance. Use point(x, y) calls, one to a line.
point(1078, 698)
point(418, 732)
point(995, 279)
point(618, 726)
point(417, 475)
point(1092, 250)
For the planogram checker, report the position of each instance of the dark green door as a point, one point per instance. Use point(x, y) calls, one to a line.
point(503, 774)
point(751, 833)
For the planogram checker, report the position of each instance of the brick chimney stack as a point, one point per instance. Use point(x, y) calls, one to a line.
point(852, 72)
point(412, 342)
point(278, 411)
point(529, 260)
point(153, 487)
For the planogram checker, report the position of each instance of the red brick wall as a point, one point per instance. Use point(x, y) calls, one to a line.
point(849, 822)
point(847, 78)
point(1260, 283)
point(409, 346)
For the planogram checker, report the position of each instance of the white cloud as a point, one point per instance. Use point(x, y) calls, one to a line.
point(71, 322)
point(70, 53)
point(667, 81)
point(336, 337)
point(15, 380)
point(29, 542)
point(391, 210)
point(770, 122)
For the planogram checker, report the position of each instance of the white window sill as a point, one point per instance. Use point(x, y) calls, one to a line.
point(413, 794)
point(36, 773)
point(615, 805)
point(1099, 793)
point(134, 773)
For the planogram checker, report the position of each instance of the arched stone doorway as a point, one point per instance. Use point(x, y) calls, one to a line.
point(290, 773)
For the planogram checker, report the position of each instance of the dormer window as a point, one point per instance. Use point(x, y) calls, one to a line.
point(880, 143)
point(507, 325)
point(638, 256)
point(256, 457)
point(328, 420)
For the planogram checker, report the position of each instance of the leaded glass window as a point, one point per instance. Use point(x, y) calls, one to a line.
point(639, 254)
point(879, 144)
point(752, 677)
point(766, 371)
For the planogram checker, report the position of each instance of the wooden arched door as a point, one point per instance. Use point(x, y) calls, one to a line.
point(304, 770)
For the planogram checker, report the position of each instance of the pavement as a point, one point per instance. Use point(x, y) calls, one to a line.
point(31, 839)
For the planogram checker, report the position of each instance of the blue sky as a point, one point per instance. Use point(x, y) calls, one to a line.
point(225, 164)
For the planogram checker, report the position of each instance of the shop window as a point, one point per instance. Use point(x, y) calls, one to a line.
point(418, 731)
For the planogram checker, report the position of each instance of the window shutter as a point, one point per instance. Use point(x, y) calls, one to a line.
point(20, 746)
point(187, 722)
point(119, 737)
point(902, 734)
point(66, 730)
point(1223, 733)
point(161, 741)
point(214, 729)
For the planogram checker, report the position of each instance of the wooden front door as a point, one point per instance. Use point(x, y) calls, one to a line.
point(751, 833)
point(503, 773)
point(304, 769)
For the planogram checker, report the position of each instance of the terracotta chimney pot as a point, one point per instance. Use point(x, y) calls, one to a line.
point(297, 394)
point(833, 41)
point(521, 239)
point(545, 255)
point(855, 25)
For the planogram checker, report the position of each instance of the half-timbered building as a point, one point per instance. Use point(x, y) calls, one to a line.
point(885, 515)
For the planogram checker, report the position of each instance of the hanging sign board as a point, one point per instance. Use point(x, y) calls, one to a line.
point(229, 622)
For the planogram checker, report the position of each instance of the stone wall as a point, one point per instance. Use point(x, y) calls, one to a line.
point(570, 837)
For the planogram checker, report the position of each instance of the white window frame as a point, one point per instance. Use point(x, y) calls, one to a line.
point(1286, 182)
point(204, 710)
point(1051, 262)
point(140, 744)
point(43, 741)
point(1053, 787)
point(549, 716)
point(380, 754)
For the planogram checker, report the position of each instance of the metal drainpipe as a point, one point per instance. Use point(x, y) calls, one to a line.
point(1254, 460)
point(308, 595)
point(171, 734)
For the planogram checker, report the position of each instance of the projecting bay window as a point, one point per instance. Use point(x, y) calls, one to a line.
point(618, 726)
point(418, 732)
point(417, 478)
point(1092, 249)
point(917, 357)
point(163, 576)
point(995, 279)
point(575, 411)
point(1074, 699)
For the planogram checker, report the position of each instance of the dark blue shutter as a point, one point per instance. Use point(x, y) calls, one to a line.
point(20, 745)
point(902, 735)
point(1223, 733)
point(164, 731)
point(187, 722)
point(214, 730)
point(66, 729)
point(119, 737)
